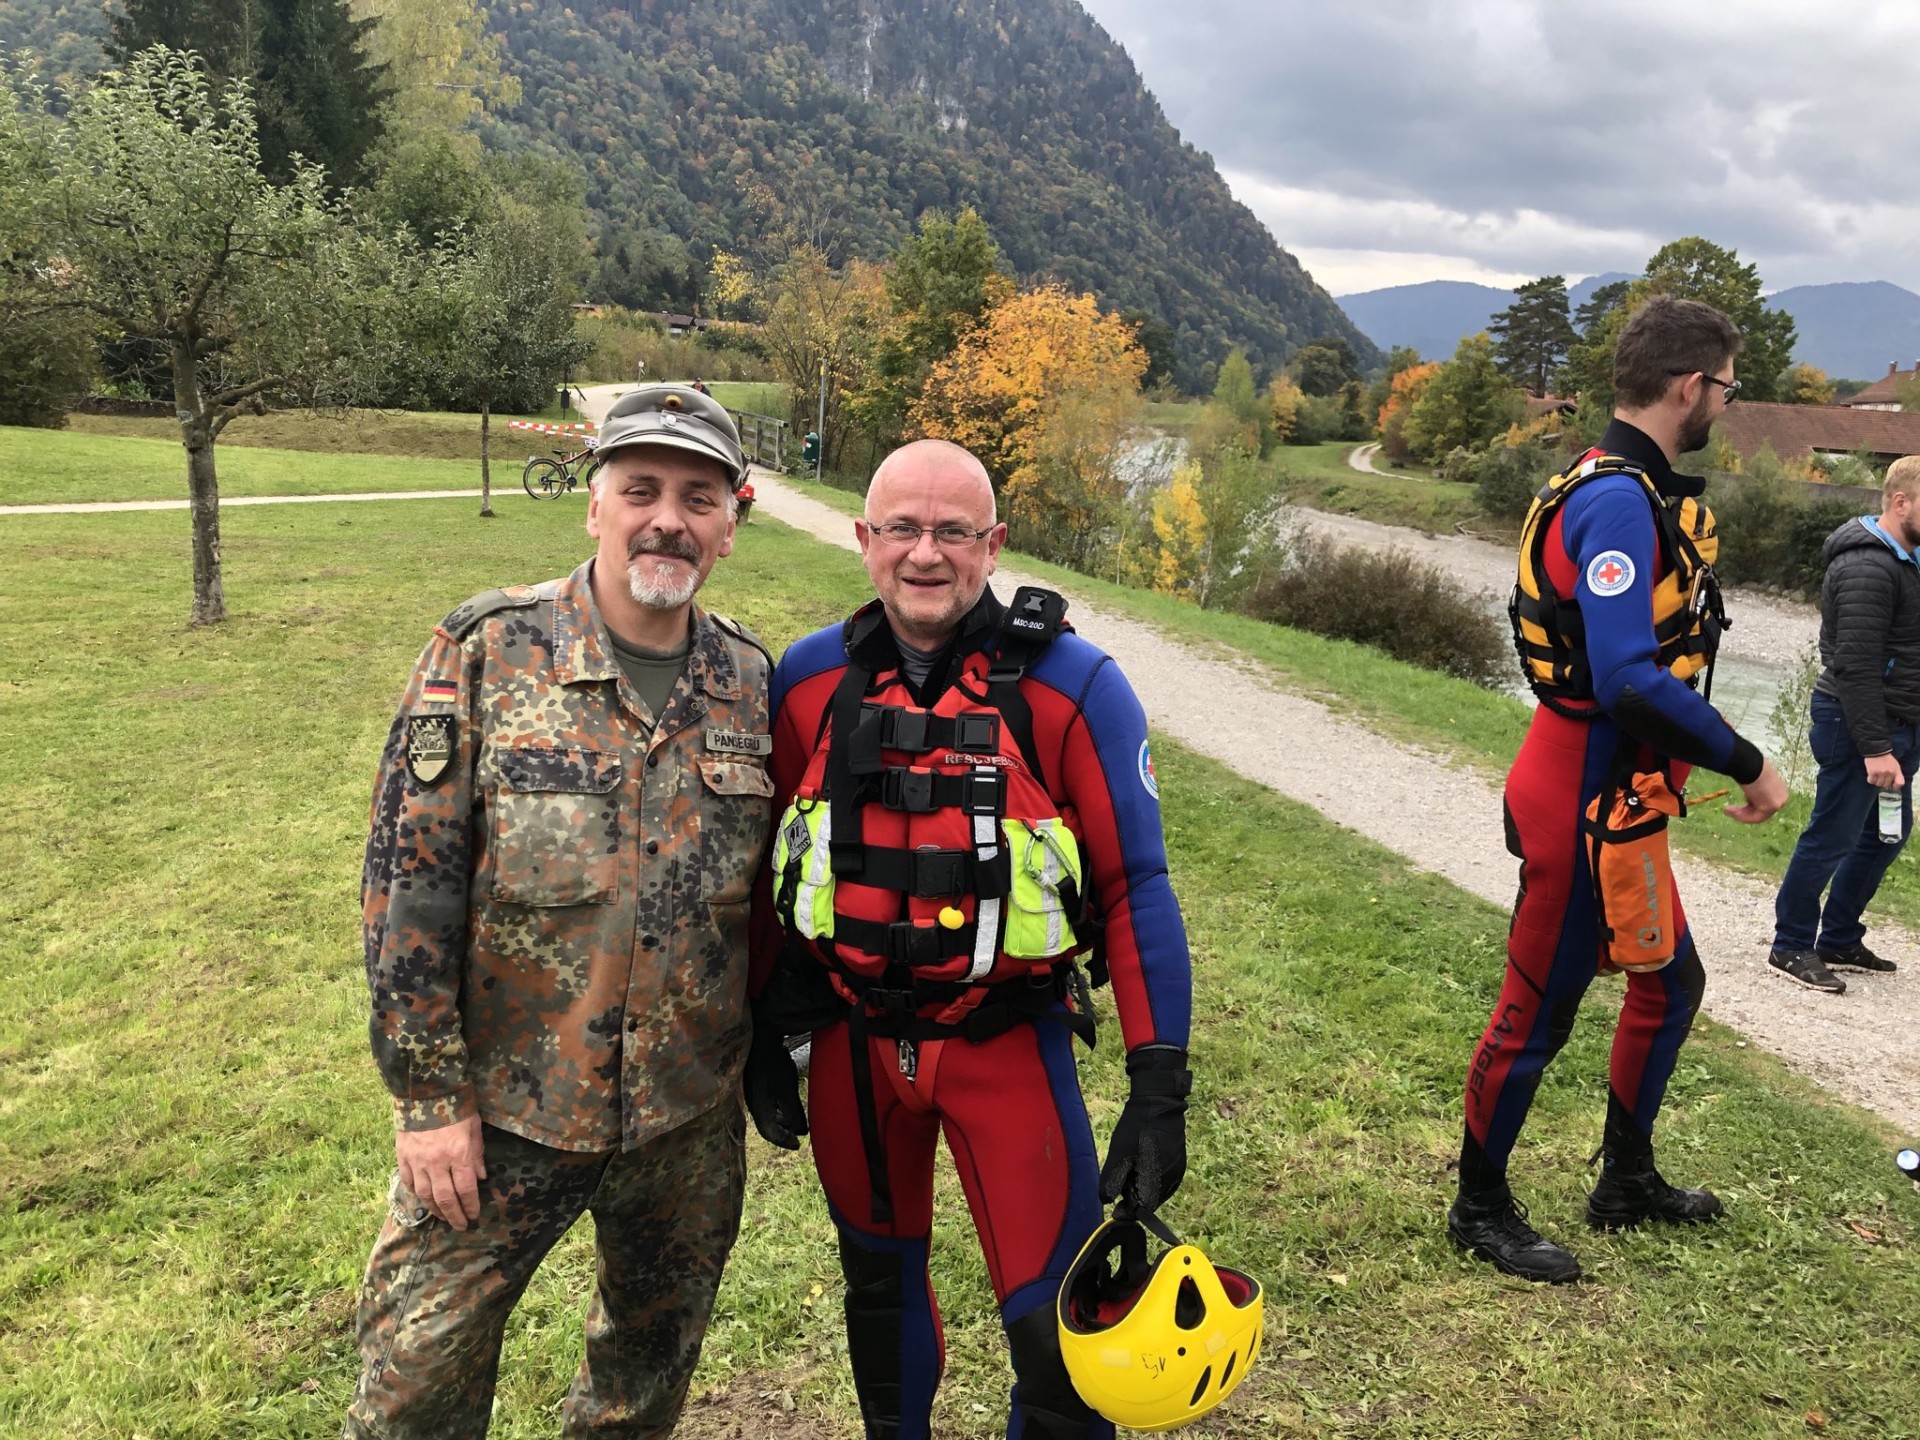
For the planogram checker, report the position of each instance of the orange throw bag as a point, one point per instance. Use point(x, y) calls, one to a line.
point(1632, 872)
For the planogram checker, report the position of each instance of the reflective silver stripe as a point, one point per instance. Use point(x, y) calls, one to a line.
point(818, 872)
point(986, 916)
point(1051, 869)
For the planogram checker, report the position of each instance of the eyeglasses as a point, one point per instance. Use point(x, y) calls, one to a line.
point(1728, 388)
point(947, 537)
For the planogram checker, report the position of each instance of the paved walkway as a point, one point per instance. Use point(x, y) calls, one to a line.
point(101, 507)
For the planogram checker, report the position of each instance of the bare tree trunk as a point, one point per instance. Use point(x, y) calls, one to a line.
point(203, 490)
point(486, 472)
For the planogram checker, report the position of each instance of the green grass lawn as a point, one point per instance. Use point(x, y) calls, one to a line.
point(193, 1144)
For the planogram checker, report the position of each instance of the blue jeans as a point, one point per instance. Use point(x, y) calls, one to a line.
point(1842, 840)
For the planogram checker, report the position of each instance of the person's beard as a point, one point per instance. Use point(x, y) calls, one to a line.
point(649, 584)
point(1697, 429)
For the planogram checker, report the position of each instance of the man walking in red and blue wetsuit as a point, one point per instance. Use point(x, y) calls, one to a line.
point(1612, 652)
point(967, 803)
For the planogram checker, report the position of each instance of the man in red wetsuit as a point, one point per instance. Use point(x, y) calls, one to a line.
point(1617, 697)
point(966, 795)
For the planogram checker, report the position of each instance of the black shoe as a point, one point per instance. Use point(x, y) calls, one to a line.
point(1493, 1227)
point(1855, 957)
point(1629, 1193)
point(1805, 967)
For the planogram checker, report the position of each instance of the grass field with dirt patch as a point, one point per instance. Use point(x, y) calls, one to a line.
point(193, 1142)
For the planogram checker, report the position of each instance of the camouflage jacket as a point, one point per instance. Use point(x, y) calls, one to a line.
point(555, 893)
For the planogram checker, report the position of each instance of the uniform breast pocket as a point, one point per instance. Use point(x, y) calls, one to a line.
point(556, 828)
point(736, 810)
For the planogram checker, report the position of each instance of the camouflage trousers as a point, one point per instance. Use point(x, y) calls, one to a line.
point(434, 1305)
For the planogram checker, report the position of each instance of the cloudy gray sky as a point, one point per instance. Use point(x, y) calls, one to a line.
point(1391, 141)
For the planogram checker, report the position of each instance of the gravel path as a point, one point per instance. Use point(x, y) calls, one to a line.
point(1859, 1045)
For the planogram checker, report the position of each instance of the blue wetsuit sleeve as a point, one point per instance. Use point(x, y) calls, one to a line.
point(1611, 536)
point(1109, 779)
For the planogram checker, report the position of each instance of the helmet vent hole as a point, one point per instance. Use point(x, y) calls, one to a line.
point(1188, 1308)
point(1201, 1388)
point(1226, 1372)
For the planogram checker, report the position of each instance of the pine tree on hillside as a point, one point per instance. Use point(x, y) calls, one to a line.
point(1533, 335)
point(315, 91)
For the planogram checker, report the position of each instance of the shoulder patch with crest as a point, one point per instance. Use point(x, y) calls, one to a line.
point(429, 747)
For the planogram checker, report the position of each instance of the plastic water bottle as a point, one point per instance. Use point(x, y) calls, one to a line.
point(1890, 828)
point(1909, 1163)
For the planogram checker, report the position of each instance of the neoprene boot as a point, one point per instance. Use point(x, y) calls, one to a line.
point(1045, 1404)
point(1491, 1225)
point(1631, 1190)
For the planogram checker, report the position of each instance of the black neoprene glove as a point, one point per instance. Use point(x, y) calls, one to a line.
point(772, 1088)
point(1147, 1157)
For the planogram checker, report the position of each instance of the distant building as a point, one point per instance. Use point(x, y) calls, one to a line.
point(1800, 432)
point(587, 308)
point(1884, 393)
point(679, 324)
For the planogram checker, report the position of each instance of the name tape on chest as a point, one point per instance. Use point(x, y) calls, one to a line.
point(728, 742)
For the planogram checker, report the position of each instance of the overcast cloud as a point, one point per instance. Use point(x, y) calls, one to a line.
point(1391, 141)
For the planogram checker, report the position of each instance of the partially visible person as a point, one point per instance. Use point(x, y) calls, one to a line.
point(569, 812)
point(1865, 738)
point(1618, 618)
point(701, 386)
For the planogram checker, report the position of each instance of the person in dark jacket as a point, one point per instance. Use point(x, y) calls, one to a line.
point(1866, 738)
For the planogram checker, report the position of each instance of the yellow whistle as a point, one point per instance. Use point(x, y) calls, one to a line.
point(951, 918)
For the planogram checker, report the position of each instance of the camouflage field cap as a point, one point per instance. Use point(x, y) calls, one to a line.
point(675, 415)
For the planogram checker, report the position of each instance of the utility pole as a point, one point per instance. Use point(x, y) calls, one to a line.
point(820, 425)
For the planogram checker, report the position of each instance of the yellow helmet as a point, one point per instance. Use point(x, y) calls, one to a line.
point(1154, 1346)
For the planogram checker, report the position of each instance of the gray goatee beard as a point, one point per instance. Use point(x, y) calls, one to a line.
point(655, 586)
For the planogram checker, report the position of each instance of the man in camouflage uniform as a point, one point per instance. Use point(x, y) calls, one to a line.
point(570, 808)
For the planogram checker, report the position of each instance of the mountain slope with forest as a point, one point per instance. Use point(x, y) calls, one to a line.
point(696, 125)
point(862, 114)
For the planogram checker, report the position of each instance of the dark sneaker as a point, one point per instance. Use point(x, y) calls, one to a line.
point(1624, 1198)
point(1855, 957)
point(1804, 967)
point(1493, 1227)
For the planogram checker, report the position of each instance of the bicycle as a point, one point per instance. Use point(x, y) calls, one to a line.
point(547, 477)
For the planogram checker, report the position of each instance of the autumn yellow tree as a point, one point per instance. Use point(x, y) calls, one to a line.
point(1402, 395)
point(1807, 385)
point(819, 317)
point(1044, 391)
point(1284, 399)
point(1180, 533)
point(442, 63)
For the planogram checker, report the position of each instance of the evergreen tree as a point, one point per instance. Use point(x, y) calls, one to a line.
point(315, 93)
point(1532, 335)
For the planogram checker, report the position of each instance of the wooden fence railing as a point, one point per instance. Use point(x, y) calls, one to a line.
point(763, 438)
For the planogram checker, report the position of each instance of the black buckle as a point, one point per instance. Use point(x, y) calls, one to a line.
point(939, 873)
point(903, 729)
point(909, 790)
point(891, 1002)
point(977, 732)
point(911, 944)
point(983, 792)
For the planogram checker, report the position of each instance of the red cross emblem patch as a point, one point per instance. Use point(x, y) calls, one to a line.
point(1609, 573)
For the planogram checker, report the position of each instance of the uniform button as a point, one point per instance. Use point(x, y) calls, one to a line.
point(633, 1023)
point(649, 941)
point(653, 847)
point(653, 762)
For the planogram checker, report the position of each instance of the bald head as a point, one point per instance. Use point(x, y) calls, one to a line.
point(928, 584)
point(933, 469)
